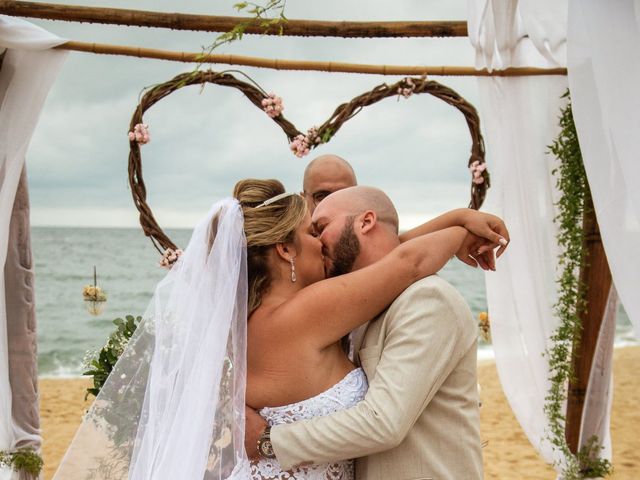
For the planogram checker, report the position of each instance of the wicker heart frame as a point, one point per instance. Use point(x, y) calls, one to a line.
point(408, 86)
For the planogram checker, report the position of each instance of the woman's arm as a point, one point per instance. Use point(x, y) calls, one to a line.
point(324, 312)
point(453, 218)
point(481, 224)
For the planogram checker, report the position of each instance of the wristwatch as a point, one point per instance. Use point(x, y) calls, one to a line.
point(265, 448)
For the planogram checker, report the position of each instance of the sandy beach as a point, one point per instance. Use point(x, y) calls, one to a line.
point(508, 454)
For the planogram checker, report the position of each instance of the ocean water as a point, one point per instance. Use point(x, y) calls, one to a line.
point(126, 263)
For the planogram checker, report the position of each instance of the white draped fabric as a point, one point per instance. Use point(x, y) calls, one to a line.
point(604, 76)
point(28, 71)
point(520, 119)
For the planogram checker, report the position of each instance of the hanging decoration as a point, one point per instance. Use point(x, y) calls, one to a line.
point(94, 297)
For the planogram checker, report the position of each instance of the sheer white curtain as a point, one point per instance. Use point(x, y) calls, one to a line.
point(520, 119)
point(604, 76)
point(28, 71)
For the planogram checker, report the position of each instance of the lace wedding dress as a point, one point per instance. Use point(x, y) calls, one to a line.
point(344, 394)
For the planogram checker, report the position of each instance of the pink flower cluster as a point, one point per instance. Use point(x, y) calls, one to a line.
point(476, 169)
point(302, 144)
point(407, 91)
point(272, 105)
point(140, 134)
point(169, 257)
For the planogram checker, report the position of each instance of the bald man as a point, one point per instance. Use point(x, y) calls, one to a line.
point(323, 176)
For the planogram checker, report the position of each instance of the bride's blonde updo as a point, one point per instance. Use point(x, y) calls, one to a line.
point(264, 227)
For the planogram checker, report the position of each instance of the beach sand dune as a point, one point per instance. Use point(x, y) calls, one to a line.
point(508, 454)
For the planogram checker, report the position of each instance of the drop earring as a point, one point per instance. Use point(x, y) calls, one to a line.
point(293, 271)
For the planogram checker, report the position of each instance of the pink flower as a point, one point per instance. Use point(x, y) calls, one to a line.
point(140, 134)
point(407, 90)
point(476, 168)
point(272, 105)
point(170, 257)
point(301, 145)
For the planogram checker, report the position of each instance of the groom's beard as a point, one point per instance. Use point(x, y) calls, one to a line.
point(345, 251)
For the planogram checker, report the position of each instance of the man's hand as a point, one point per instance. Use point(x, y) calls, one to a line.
point(254, 427)
point(488, 227)
point(471, 254)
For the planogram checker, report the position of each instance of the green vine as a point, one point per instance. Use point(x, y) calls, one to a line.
point(100, 363)
point(575, 196)
point(269, 16)
point(25, 460)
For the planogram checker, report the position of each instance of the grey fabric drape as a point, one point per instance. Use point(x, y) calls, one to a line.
point(21, 321)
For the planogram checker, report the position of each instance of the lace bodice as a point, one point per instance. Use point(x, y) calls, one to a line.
point(344, 394)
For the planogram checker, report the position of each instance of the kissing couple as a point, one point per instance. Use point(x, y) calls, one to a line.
point(260, 311)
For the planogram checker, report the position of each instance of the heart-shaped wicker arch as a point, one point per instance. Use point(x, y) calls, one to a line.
point(328, 129)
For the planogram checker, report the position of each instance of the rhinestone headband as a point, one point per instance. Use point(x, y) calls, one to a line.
point(275, 199)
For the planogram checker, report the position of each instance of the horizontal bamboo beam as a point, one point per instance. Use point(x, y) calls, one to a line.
point(209, 23)
point(276, 64)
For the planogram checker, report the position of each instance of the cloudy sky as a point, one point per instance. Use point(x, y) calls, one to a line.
point(203, 142)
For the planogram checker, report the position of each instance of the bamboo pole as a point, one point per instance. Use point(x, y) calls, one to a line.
point(209, 23)
point(277, 64)
point(596, 276)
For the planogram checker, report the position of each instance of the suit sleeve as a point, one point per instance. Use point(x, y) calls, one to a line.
point(425, 339)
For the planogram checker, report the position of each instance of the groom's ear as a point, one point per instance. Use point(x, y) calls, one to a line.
point(368, 220)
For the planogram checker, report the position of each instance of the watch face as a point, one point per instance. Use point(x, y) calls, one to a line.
point(267, 449)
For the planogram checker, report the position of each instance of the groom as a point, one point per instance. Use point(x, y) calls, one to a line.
point(420, 417)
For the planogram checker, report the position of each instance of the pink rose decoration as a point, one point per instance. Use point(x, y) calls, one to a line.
point(476, 169)
point(302, 144)
point(272, 105)
point(299, 146)
point(140, 134)
point(408, 89)
point(170, 257)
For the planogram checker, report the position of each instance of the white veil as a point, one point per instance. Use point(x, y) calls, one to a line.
point(173, 407)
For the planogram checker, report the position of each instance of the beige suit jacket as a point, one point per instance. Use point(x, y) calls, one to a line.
point(420, 418)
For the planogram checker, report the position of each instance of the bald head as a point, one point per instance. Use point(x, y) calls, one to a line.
point(359, 199)
point(357, 227)
point(324, 175)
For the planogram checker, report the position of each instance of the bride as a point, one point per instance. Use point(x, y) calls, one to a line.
point(245, 316)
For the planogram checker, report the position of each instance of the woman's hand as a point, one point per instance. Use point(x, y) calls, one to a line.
point(471, 254)
point(482, 224)
point(489, 228)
